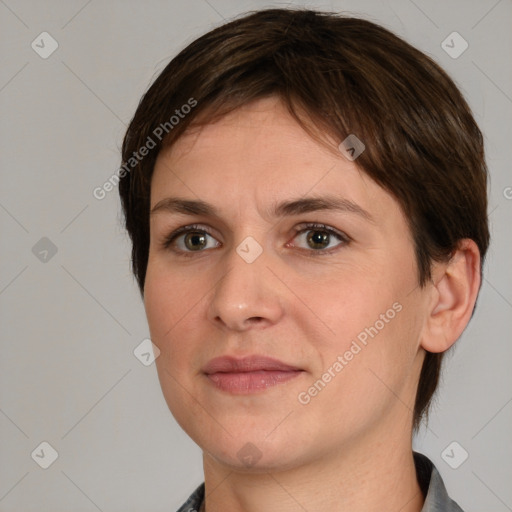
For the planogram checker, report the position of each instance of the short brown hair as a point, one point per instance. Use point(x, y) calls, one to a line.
point(350, 76)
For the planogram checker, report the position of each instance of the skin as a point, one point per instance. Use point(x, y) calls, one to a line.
point(349, 448)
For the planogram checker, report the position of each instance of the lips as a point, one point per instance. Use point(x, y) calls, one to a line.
point(249, 374)
point(229, 364)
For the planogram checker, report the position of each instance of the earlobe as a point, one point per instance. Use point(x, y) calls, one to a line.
point(455, 288)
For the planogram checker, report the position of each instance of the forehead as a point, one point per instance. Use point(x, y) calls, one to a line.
point(258, 124)
point(260, 152)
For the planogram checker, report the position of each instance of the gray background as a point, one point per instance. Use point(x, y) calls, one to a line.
point(71, 320)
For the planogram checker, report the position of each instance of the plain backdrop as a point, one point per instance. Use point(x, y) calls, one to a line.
point(71, 315)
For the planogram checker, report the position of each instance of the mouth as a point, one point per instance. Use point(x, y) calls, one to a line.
point(249, 374)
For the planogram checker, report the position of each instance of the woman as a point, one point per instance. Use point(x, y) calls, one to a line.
point(306, 198)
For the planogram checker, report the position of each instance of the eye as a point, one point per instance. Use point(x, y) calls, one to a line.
point(319, 237)
point(190, 239)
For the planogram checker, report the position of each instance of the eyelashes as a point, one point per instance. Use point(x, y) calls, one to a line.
point(325, 232)
point(196, 232)
point(195, 238)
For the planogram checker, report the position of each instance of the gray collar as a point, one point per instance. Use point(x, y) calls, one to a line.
point(432, 485)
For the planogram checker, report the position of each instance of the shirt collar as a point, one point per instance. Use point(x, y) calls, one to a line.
point(432, 485)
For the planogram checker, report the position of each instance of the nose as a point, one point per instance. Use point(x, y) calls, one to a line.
point(246, 296)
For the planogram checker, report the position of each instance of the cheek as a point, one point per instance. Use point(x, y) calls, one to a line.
point(169, 304)
point(345, 302)
point(366, 372)
point(168, 309)
point(388, 345)
point(372, 328)
point(166, 298)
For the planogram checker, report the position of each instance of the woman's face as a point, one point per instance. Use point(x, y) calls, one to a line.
point(292, 253)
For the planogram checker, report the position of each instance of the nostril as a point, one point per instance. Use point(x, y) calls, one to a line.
point(255, 319)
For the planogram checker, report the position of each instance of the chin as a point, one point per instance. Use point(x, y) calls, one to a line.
point(248, 457)
point(251, 450)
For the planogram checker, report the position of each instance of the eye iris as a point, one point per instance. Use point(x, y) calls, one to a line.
point(318, 239)
point(195, 241)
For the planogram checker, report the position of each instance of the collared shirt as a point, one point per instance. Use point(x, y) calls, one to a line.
point(429, 479)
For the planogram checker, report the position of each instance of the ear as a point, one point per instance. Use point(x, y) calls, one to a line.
point(455, 287)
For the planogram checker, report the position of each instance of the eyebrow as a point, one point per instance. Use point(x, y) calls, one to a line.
point(285, 208)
